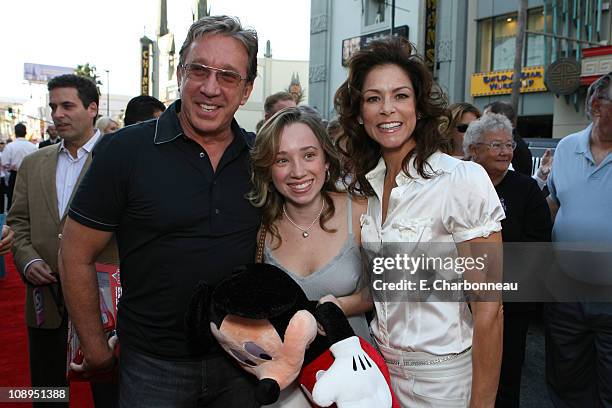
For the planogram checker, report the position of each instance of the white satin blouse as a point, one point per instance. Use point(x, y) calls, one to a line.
point(456, 205)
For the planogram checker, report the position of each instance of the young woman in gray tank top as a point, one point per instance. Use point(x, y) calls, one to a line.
point(313, 231)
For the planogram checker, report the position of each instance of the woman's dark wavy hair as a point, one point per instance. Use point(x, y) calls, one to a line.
point(362, 152)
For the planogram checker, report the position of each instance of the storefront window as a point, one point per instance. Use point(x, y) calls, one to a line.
point(497, 41)
point(535, 43)
point(504, 42)
point(375, 12)
point(485, 37)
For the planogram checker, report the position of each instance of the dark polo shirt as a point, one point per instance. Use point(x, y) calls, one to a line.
point(176, 220)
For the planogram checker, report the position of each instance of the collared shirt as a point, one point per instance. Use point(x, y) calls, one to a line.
point(68, 170)
point(14, 152)
point(457, 204)
point(177, 222)
point(66, 176)
point(583, 191)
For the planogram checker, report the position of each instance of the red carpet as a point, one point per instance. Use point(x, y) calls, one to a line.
point(14, 371)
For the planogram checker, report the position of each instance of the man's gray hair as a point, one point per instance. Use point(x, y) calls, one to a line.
point(228, 26)
point(489, 122)
point(598, 89)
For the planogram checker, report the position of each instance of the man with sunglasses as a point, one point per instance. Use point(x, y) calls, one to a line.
point(173, 190)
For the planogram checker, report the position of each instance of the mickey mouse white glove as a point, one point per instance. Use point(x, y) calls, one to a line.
point(352, 381)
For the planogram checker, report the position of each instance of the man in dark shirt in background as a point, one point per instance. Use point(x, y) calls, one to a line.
point(54, 137)
point(141, 108)
point(174, 192)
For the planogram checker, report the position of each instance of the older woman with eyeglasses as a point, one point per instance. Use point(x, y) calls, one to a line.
point(488, 141)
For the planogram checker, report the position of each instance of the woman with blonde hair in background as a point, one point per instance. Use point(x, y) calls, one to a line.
point(107, 125)
point(461, 115)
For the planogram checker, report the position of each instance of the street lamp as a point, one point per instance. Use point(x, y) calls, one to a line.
point(392, 17)
point(107, 93)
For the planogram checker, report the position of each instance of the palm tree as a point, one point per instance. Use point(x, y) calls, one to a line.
point(89, 71)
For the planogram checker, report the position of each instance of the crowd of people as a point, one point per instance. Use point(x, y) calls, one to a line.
point(187, 197)
point(12, 151)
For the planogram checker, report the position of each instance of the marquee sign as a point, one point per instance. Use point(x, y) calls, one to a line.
point(500, 82)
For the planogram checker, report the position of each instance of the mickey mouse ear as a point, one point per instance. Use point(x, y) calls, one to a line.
point(259, 291)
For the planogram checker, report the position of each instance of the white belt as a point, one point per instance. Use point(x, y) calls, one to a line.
point(433, 361)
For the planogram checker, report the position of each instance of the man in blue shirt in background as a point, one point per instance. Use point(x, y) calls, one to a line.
point(579, 335)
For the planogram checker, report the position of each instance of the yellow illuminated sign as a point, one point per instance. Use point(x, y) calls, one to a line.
point(144, 72)
point(500, 82)
point(430, 33)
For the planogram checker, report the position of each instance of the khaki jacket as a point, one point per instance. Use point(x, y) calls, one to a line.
point(35, 219)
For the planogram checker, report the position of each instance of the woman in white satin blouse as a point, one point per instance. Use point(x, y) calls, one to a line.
point(439, 353)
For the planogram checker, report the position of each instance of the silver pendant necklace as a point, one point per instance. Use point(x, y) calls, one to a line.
point(305, 233)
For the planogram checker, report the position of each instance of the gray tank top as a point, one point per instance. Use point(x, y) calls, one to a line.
point(339, 277)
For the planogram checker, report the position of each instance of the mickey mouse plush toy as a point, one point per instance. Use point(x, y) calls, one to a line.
point(262, 318)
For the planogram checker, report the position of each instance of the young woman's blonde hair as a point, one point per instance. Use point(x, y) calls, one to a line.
point(263, 157)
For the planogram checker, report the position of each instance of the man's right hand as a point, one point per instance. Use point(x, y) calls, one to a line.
point(545, 165)
point(39, 273)
point(8, 237)
point(95, 365)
